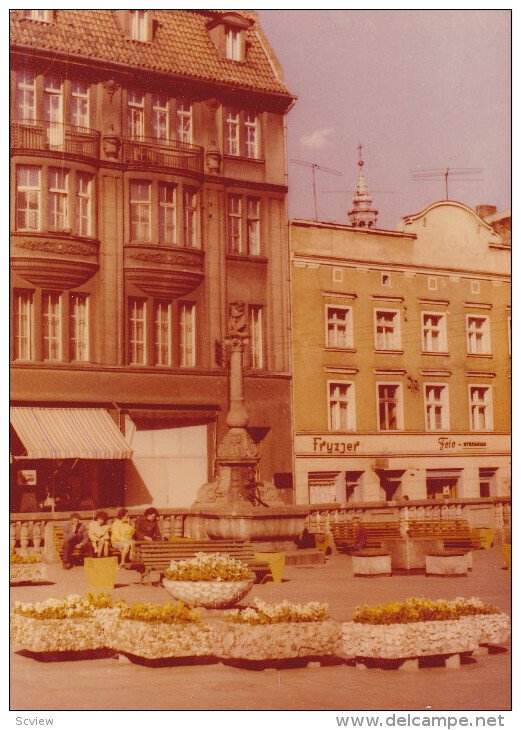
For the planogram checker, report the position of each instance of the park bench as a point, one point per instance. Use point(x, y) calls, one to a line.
point(456, 534)
point(377, 533)
point(156, 556)
point(58, 542)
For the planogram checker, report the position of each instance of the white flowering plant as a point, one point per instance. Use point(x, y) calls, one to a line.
point(277, 613)
point(415, 610)
point(72, 606)
point(208, 567)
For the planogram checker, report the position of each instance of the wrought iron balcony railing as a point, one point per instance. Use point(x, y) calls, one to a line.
point(163, 153)
point(33, 134)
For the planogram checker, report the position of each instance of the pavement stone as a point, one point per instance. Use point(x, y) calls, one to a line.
point(481, 684)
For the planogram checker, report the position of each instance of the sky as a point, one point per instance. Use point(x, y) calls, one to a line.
point(419, 89)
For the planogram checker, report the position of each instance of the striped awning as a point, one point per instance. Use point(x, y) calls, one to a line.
point(69, 433)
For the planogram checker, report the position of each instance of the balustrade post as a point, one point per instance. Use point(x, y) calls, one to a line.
point(12, 537)
point(37, 536)
point(24, 538)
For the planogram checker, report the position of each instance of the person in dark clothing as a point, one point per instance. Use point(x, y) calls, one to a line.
point(147, 526)
point(74, 536)
point(360, 534)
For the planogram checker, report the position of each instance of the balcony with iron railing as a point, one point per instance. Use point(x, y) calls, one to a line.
point(150, 151)
point(43, 136)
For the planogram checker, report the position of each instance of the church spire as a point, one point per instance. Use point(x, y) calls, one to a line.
point(362, 215)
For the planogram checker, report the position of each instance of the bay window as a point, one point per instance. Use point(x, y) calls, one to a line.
point(57, 199)
point(28, 198)
point(52, 334)
point(79, 327)
point(187, 335)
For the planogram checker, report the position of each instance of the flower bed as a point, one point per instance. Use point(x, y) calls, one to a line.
point(212, 581)
point(282, 631)
point(26, 569)
point(153, 631)
point(419, 627)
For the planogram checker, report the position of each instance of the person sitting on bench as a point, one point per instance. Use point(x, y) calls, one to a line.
point(147, 526)
point(74, 536)
point(360, 534)
point(121, 536)
point(99, 534)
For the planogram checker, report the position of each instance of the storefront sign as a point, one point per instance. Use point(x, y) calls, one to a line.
point(446, 442)
point(321, 446)
point(27, 478)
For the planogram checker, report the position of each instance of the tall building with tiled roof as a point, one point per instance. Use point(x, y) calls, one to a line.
point(148, 193)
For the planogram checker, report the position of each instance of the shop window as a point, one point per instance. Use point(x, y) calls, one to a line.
point(341, 406)
point(390, 406)
point(436, 407)
point(442, 484)
point(187, 339)
point(387, 329)
point(480, 403)
point(256, 336)
point(321, 486)
point(478, 335)
point(487, 482)
point(339, 326)
point(434, 332)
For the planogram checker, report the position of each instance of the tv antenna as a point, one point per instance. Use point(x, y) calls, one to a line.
point(460, 174)
point(314, 166)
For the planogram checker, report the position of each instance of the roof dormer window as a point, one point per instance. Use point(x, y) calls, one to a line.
point(233, 44)
point(228, 32)
point(139, 25)
point(42, 16)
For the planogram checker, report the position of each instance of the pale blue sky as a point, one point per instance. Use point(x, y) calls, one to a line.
point(420, 88)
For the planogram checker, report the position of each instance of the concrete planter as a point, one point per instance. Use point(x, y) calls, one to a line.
point(160, 640)
point(56, 635)
point(209, 594)
point(279, 641)
point(400, 641)
point(27, 572)
point(493, 628)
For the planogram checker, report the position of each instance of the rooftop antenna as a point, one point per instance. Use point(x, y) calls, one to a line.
point(460, 174)
point(314, 167)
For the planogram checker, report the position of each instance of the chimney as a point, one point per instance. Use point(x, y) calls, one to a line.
point(485, 210)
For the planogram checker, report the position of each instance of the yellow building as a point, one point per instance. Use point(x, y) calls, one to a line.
point(401, 357)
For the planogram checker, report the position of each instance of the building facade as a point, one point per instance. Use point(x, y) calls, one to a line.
point(401, 359)
point(148, 193)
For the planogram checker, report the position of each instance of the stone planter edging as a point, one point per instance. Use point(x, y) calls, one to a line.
point(56, 634)
point(161, 641)
point(209, 594)
point(27, 572)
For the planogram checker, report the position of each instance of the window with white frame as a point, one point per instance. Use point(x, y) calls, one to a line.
point(191, 235)
point(79, 327)
point(241, 133)
point(243, 225)
point(436, 406)
point(478, 335)
point(390, 406)
point(434, 332)
point(79, 104)
point(256, 337)
point(43, 16)
point(187, 335)
point(251, 136)
point(26, 96)
point(53, 111)
point(57, 199)
point(339, 326)
point(28, 198)
point(51, 326)
point(23, 324)
point(140, 210)
point(341, 406)
point(233, 44)
point(162, 327)
point(84, 204)
point(138, 25)
point(480, 402)
point(135, 114)
point(184, 121)
point(137, 331)
point(235, 223)
point(253, 226)
point(160, 117)
point(232, 131)
point(167, 213)
point(387, 329)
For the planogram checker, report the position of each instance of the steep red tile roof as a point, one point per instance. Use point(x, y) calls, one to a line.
point(181, 45)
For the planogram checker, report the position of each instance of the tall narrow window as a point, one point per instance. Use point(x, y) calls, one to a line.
point(256, 337)
point(167, 213)
point(341, 406)
point(140, 210)
point(137, 331)
point(79, 104)
point(187, 335)
point(84, 204)
point(23, 322)
point(232, 131)
point(53, 111)
point(162, 318)
point(160, 118)
point(250, 135)
point(389, 407)
point(387, 330)
point(79, 327)
point(136, 115)
point(233, 44)
point(138, 25)
point(191, 238)
point(28, 194)
point(480, 407)
point(184, 121)
point(234, 224)
point(43, 16)
point(478, 335)
point(339, 327)
point(434, 332)
point(253, 226)
point(26, 96)
point(57, 199)
point(436, 407)
point(51, 316)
